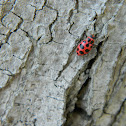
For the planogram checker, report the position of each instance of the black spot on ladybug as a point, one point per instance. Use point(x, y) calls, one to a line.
point(81, 52)
point(77, 49)
point(81, 46)
point(87, 45)
point(77, 53)
point(87, 50)
point(92, 36)
point(84, 41)
point(91, 46)
point(92, 42)
point(89, 39)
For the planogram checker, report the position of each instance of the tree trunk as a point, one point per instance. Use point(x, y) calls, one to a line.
point(42, 80)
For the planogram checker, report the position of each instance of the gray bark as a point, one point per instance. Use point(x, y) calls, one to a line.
point(42, 80)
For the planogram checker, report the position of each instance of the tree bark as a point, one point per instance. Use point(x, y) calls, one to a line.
point(42, 80)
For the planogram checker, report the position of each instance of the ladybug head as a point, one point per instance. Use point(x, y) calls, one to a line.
point(92, 36)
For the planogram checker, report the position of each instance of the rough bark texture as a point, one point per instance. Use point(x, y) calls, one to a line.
point(42, 80)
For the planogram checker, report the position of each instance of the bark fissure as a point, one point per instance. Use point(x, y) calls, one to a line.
point(82, 90)
point(119, 111)
point(51, 25)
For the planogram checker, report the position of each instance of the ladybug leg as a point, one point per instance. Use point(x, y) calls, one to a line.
point(86, 36)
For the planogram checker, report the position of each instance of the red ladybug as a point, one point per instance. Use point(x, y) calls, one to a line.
point(85, 46)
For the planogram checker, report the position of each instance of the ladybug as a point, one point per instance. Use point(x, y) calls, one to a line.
point(85, 46)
